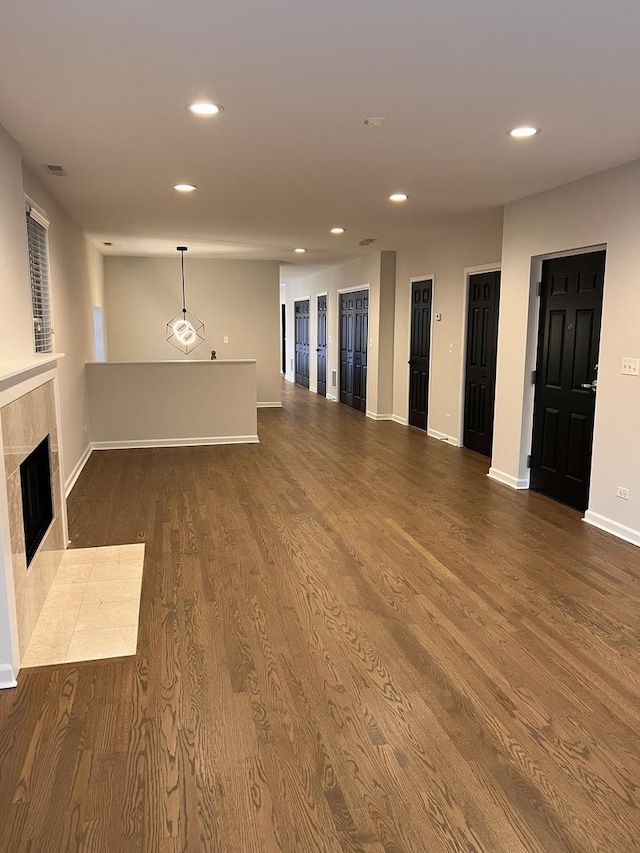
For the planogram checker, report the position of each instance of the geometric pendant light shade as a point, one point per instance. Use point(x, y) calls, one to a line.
point(184, 331)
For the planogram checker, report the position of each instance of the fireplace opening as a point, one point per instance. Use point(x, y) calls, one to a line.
point(37, 502)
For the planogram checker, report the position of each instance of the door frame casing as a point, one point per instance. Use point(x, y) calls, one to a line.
point(531, 361)
point(340, 291)
point(413, 279)
point(468, 272)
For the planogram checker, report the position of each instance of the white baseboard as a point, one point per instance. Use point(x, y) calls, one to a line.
point(397, 419)
point(376, 417)
point(269, 405)
point(73, 476)
point(176, 442)
point(613, 527)
point(507, 479)
point(332, 398)
point(313, 389)
point(289, 378)
point(442, 436)
point(7, 676)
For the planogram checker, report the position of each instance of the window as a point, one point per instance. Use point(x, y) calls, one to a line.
point(37, 225)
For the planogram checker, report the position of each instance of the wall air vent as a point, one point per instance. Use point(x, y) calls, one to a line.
point(367, 241)
point(334, 378)
point(56, 171)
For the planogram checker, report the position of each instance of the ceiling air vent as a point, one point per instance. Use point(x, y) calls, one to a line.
point(56, 171)
point(367, 241)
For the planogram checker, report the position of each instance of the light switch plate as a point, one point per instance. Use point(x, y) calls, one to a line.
point(226, 340)
point(631, 366)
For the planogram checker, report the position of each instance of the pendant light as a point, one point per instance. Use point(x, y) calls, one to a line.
point(185, 332)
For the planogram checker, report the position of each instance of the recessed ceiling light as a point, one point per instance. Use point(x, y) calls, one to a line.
point(373, 121)
point(300, 250)
point(337, 230)
point(185, 188)
point(524, 132)
point(205, 108)
point(398, 197)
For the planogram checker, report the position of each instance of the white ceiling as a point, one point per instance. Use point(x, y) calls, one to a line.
point(101, 88)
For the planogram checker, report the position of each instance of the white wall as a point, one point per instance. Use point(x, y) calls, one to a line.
point(602, 209)
point(16, 336)
point(443, 255)
point(75, 267)
point(237, 299)
point(377, 271)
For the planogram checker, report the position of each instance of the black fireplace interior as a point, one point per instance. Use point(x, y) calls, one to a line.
point(37, 503)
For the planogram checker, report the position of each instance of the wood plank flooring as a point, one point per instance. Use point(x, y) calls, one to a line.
point(350, 640)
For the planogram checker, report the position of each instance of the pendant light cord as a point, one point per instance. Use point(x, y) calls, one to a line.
point(184, 300)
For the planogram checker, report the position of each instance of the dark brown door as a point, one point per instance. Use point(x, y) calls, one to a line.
point(480, 375)
point(568, 342)
point(302, 342)
point(321, 349)
point(354, 336)
point(421, 295)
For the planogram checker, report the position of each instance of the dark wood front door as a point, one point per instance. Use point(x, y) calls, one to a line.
point(568, 343)
point(480, 374)
point(302, 342)
point(421, 296)
point(321, 349)
point(354, 337)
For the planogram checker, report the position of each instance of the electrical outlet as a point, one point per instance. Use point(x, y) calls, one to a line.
point(450, 348)
point(225, 340)
point(631, 366)
point(85, 430)
point(623, 493)
point(448, 417)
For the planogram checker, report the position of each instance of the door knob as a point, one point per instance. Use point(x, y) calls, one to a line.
point(411, 361)
point(317, 349)
point(590, 386)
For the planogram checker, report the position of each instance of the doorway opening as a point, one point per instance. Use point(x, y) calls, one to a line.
point(571, 293)
point(354, 339)
point(420, 351)
point(321, 348)
point(483, 304)
point(302, 342)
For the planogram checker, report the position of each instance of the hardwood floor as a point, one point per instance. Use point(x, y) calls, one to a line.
point(341, 648)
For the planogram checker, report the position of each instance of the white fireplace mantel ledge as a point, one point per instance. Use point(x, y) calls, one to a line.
point(14, 368)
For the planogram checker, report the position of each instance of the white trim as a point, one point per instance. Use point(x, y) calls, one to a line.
point(313, 389)
point(612, 527)
point(442, 436)
point(274, 405)
point(412, 280)
point(73, 476)
point(376, 417)
point(289, 378)
point(332, 398)
point(7, 677)
point(354, 289)
point(397, 419)
point(175, 442)
point(468, 272)
point(36, 212)
point(507, 479)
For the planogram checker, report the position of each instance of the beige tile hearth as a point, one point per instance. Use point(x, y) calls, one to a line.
point(92, 608)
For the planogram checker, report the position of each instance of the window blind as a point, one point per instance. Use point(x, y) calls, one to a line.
point(39, 271)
